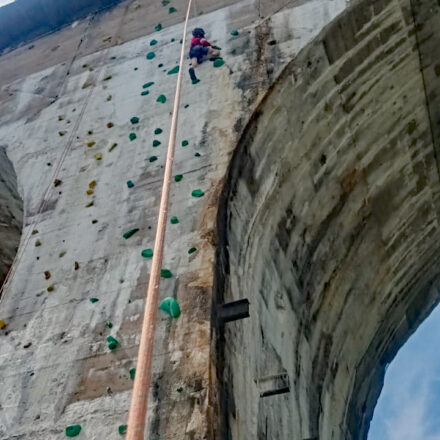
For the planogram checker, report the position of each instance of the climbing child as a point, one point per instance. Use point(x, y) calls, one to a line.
point(201, 49)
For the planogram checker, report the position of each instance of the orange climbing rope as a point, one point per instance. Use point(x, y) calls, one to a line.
point(142, 381)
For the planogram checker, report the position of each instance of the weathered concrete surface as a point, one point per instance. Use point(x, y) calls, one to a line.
point(329, 225)
point(68, 375)
point(11, 214)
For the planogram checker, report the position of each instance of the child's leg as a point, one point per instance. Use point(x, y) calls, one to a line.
point(214, 52)
point(194, 62)
point(192, 74)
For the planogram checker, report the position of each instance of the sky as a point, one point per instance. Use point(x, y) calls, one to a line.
point(409, 405)
point(5, 2)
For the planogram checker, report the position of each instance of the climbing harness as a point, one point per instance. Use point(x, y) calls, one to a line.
point(142, 380)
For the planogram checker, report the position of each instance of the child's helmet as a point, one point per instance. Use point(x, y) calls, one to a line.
point(198, 32)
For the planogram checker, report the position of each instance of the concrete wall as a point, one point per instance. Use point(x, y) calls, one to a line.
point(11, 214)
point(329, 226)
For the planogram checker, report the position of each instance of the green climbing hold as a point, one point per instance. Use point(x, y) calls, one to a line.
point(178, 178)
point(150, 55)
point(197, 154)
point(158, 27)
point(192, 250)
point(173, 40)
point(109, 324)
point(173, 70)
point(156, 143)
point(73, 430)
point(129, 233)
point(171, 10)
point(174, 220)
point(147, 253)
point(130, 184)
point(94, 300)
point(234, 32)
point(170, 306)
point(165, 2)
point(218, 62)
point(145, 93)
point(132, 136)
point(162, 99)
point(158, 131)
point(112, 342)
point(185, 143)
point(135, 68)
point(134, 120)
point(165, 273)
point(148, 84)
point(132, 373)
point(197, 193)
point(160, 65)
point(179, 390)
point(122, 429)
point(153, 159)
point(153, 42)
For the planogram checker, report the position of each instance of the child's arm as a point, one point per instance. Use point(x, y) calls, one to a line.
point(204, 42)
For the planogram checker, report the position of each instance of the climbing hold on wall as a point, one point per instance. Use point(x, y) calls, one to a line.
point(192, 250)
point(62, 133)
point(153, 42)
point(197, 193)
point(174, 220)
point(134, 120)
point(47, 274)
point(147, 253)
point(98, 156)
point(109, 97)
point(73, 430)
point(57, 182)
point(130, 233)
point(218, 62)
point(160, 65)
point(150, 55)
point(94, 300)
point(35, 231)
point(92, 184)
point(122, 429)
point(90, 192)
point(158, 131)
point(110, 124)
point(135, 68)
point(91, 143)
point(171, 10)
point(145, 93)
point(162, 99)
point(185, 143)
point(148, 84)
point(173, 40)
point(132, 136)
point(178, 178)
point(76, 265)
point(37, 243)
point(113, 147)
point(112, 342)
point(173, 70)
point(51, 288)
point(107, 77)
point(94, 222)
point(132, 373)
point(90, 132)
point(197, 154)
point(156, 143)
point(152, 158)
point(109, 324)
point(170, 306)
point(60, 117)
point(158, 27)
point(130, 184)
point(61, 254)
point(179, 390)
point(234, 32)
point(86, 84)
point(2, 324)
point(165, 2)
point(165, 273)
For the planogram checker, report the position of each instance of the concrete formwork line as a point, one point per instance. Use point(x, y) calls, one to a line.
point(142, 381)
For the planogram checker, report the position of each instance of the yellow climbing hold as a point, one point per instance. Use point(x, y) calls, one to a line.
point(98, 156)
point(2, 324)
point(91, 143)
point(90, 192)
point(92, 184)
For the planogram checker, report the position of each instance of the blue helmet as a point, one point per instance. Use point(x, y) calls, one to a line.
point(198, 32)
